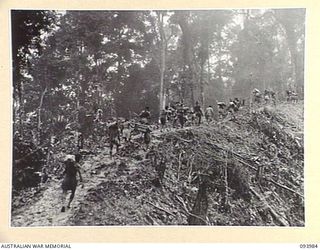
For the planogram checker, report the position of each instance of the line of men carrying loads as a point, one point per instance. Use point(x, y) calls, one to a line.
point(116, 129)
point(182, 115)
point(173, 116)
point(269, 96)
point(179, 115)
point(176, 115)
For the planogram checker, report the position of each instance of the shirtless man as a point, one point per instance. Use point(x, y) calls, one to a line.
point(257, 97)
point(198, 112)
point(145, 116)
point(69, 180)
point(209, 114)
point(164, 117)
point(114, 135)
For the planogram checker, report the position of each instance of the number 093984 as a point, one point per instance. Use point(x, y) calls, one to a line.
point(309, 246)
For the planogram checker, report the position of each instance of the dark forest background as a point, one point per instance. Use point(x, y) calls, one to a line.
point(121, 61)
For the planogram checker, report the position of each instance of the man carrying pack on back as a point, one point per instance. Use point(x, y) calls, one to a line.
point(209, 114)
point(114, 135)
point(180, 113)
point(198, 112)
point(164, 117)
point(145, 116)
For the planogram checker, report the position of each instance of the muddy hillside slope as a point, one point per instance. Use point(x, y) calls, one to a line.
point(244, 170)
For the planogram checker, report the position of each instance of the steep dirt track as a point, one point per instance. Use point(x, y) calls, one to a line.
point(46, 211)
point(122, 191)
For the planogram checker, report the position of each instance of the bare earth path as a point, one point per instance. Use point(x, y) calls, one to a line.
point(119, 190)
point(46, 211)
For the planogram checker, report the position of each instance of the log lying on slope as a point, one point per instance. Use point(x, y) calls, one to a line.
point(273, 213)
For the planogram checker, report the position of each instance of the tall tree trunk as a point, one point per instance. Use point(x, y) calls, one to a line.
point(187, 53)
point(200, 207)
point(208, 64)
point(291, 41)
point(18, 96)
point(39, 115)
point(294, 64)
point(203, 57)
point(81, 82)
point(167, 96)
point(201, 85)
point(21, 110)
point(163, 42)
point(162, 71)
point(192, 91)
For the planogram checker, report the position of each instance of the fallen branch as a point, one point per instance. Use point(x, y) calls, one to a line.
point(253, 168)
point(247, 164)
point(182, 139)
point(284, 187)
point(179, 163)
point(242, 160)
point(225, 180)
point(160, 208)
point(272, 212)
point(190, 170)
